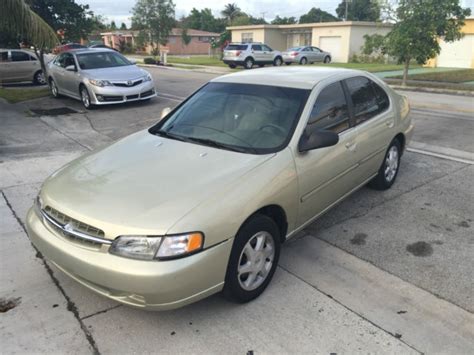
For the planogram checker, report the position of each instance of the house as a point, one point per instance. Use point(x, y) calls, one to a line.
point(341, 39)
point(458, 54)
point(200, 41)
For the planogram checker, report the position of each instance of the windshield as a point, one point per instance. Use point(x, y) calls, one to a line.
point(98, 60)
point(255, 119)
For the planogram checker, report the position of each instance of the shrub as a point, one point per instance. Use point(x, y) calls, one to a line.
point(149, 60)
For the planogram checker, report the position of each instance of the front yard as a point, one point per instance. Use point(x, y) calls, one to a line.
point(14, 95)
point(452, 76)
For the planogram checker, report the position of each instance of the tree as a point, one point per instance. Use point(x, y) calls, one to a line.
point(231, 12)
point(155, 18)
point(204, 20)
point(243, 19)
point(283, 20)
point(113, 26)
point(22, 22)
point(185, 37)
point(123, 26)
point(359, 10)
point(317, 15)
point(75, 20)
point(419, 27)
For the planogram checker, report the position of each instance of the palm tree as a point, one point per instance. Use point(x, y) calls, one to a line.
point(230, 12)
point(24, 22)
point(19, 19)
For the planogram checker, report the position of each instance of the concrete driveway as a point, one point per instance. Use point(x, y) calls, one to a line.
point(384, 272)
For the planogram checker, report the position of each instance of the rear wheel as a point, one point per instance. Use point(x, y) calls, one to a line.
point(303, 61)
point(277, 61)
point(39, 78)
point(248, 64)
point(253, 259)
point(389, 170)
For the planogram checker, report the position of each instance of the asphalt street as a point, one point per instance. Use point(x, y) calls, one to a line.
point(383, 272)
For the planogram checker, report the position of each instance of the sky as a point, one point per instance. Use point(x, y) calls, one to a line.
point(120, 10)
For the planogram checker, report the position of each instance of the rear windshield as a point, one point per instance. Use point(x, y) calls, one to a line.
point(236, 47)
point(296, 49)
point(101, 60)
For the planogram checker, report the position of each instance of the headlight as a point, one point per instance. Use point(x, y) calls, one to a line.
point(150, 248)
point(147, 77)
point(100, 83)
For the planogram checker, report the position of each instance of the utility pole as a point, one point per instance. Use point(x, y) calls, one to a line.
point(347, 8)
point(263, 14)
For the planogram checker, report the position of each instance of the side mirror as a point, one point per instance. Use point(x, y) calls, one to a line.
point(71, 68)
point(317, 139)
point(133, 61)
point(165, 112)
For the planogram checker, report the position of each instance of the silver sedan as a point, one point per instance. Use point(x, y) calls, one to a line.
point(306, 54)
point(99, 77)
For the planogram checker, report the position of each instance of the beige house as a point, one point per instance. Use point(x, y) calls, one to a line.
point(341, 39)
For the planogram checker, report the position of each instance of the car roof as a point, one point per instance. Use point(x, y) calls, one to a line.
point(295, 77)
point(89, 50)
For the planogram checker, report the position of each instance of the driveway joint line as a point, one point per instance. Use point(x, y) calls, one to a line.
point(100, 312)
point(351, 310)
point(65, 135)
point(71, 307)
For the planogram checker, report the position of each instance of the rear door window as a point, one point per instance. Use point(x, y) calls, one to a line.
point(367, 103)
point(236, 47)
point(18, 56)
point(330, 111)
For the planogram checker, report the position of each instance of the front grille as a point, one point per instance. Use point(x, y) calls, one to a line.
point(112, 98)
point(132, 97)
point(147, 93)
point(125, 84)
point(76, 225)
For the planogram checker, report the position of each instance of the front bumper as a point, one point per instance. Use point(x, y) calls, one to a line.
point(117, 95)
point(152, 285)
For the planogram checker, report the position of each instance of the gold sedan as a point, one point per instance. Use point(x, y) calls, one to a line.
point(202, 201)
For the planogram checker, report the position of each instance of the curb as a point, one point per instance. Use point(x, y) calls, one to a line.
point(433, 90)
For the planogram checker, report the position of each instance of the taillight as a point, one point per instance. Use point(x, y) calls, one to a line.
point(294, 54)
point(237, 53)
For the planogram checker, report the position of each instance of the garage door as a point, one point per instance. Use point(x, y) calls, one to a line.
point(458, 54)
point(332, 45)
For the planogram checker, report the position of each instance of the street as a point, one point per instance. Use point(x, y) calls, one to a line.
point(383, 272)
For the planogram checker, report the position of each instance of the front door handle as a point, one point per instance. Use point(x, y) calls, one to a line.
point(351, 146)
point(390, 123)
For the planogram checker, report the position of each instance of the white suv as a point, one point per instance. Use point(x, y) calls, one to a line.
point(249, 54)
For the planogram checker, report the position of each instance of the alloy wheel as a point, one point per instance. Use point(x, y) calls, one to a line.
point(391, 163)
point(85, 98)
point(54, 89)
point(256, 261)
point(40, 78)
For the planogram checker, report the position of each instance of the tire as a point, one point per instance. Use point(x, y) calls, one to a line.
point(232, 66)
point(258, 232)
point(303, 61)
point(248, 64)
point(327, 59)
point(277, 62)
point(85, 98)
point(389, 170)
point(54, 89)
point(39, 78)
point(288, 63)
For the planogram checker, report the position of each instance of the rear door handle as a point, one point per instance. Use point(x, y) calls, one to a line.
point(351, 146)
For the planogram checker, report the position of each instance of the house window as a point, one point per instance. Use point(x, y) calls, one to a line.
point(203, 39)
point(247, 37)
point(172, 40)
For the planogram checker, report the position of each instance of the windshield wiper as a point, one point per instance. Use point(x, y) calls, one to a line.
point(169, 135)
point(220, 145)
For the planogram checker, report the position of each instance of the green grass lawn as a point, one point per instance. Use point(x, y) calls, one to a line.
point(452, 76)
point(14, 95)
point(213, 61)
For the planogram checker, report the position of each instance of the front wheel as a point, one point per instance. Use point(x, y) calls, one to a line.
point(327, 60)
point(277, 62)
point(54, 88)
point(248, 64)
point(86, 98)
point(389, 170)
point(253, 259)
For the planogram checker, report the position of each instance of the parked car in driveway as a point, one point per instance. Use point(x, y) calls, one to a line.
point(202, 201)
point(250, 54)
point(99, 77)
point(305, 54)
point(18, 65)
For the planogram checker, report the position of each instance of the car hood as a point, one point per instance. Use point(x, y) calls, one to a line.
point(144, 184)
point(116, 73)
